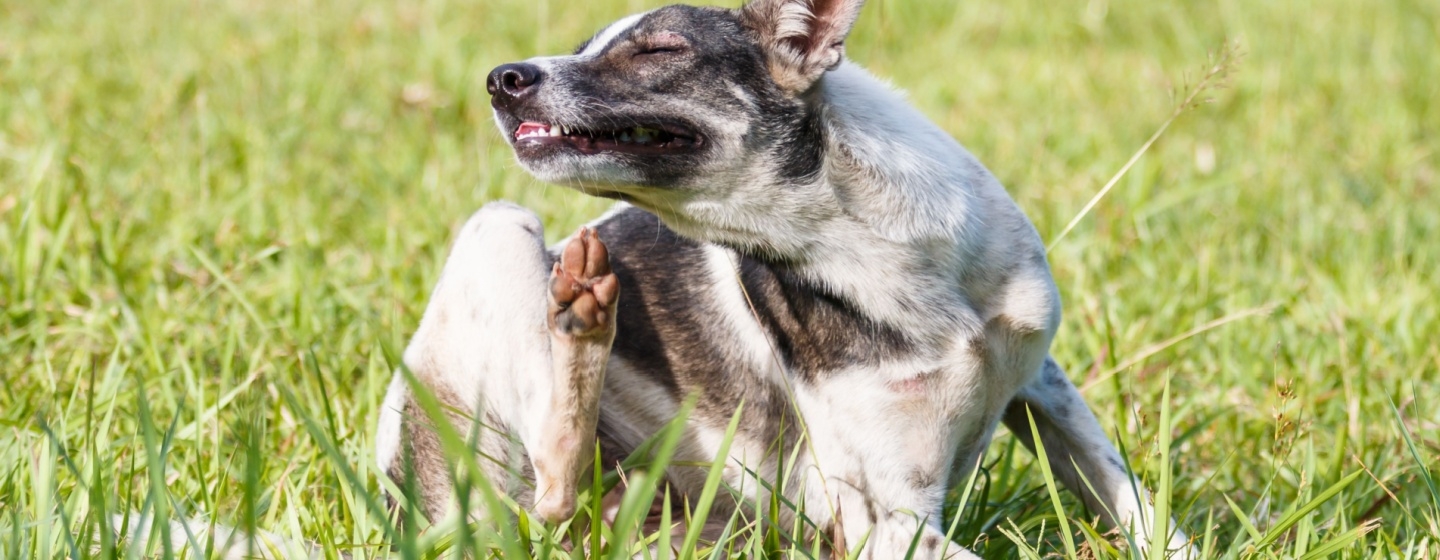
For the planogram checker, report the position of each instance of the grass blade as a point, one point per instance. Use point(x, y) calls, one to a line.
point(1278, 530)
point(1160, 524)
point(1051, 486)
point(712, 485)
point(1425, 473)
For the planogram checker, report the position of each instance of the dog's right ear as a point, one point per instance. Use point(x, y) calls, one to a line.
point(802, 39)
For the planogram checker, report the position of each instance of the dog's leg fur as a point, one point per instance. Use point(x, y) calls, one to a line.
point(518, 341)
point(1073, 439)
point(583, 295)
point(879, 469)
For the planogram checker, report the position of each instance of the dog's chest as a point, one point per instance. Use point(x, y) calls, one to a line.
point(698, 318)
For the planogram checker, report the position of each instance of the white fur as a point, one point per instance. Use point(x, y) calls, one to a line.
point(387, 430)
point(484, 332)
point(593, 49)
point(793, 20)
point(736, 316)
point(603, 39)
point(838, 482)
point(483, 339)
point(191, 538)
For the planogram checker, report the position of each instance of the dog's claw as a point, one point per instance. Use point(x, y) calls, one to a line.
point(583, 290)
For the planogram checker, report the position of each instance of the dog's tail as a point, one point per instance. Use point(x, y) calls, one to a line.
point(221, 541)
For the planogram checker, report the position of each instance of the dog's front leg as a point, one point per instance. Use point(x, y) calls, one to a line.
point(1073, 438)
point(881, 456)
point(581, 319)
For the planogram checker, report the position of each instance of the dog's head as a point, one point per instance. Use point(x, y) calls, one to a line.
point(661, 106)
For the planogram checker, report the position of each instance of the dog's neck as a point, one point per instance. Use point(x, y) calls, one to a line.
point(886, 223)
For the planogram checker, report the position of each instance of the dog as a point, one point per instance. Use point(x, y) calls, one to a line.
point(791, 239)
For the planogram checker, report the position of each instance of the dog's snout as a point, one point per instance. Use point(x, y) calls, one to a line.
point(509, 82)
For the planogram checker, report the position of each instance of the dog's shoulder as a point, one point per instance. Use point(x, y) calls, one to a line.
point(680, 296)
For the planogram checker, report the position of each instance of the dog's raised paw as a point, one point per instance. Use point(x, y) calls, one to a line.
point(583, 290)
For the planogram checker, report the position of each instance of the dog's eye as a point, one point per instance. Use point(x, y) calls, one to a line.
point(646, 51)
point(662, 44)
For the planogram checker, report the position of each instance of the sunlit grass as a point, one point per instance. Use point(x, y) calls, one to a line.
point(219, 222)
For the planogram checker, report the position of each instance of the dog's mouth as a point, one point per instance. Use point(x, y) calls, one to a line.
point(656, 139)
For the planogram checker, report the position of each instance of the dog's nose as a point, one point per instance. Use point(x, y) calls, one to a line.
point(509, 82)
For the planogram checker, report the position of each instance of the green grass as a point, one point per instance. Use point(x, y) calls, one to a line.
point(219, 221)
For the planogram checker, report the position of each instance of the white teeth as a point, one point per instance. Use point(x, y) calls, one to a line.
point(636, 136)
point(534, 130)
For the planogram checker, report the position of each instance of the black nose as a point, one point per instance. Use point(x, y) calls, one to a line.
point(509, 82)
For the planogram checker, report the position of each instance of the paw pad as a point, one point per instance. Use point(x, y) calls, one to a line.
point(583, 289)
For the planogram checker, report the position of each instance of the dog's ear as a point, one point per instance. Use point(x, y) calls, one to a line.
point(802, 39)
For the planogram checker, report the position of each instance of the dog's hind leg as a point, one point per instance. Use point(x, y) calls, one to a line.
point(486, 349)
point(1076, 446)
point(480, 343)
point(581, 319)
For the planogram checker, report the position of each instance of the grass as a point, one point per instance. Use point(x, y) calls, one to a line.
point(219, 221)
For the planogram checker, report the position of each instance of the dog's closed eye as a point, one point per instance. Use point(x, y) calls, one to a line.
point(667, 42)
point(657, 50)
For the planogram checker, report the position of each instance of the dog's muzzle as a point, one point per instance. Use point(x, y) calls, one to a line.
point(508, 84)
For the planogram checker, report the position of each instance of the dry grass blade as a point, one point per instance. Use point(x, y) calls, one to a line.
point(1214, 78)
point(1153, 349)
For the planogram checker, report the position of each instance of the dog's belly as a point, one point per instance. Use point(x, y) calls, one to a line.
point(880, 411)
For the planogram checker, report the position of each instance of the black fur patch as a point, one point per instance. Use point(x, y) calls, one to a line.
point(625, 85)
point(814, 330)
point(799, 140)
point(666, 327)
point(666, 324)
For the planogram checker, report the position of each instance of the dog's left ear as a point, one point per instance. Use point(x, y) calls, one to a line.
point(802, 38)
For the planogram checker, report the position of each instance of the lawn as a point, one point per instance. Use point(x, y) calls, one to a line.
point(220, 219)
